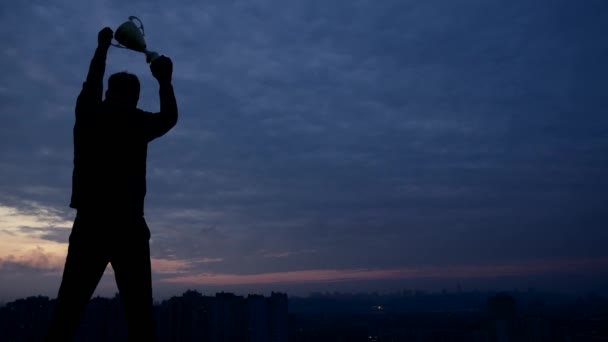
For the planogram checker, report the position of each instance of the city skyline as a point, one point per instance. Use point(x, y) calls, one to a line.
point(455, 316)
point(344, 146)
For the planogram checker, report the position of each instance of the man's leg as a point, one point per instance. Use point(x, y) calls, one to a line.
point(132, 269)
point(84, 266)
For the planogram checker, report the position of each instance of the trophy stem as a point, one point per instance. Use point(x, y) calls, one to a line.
point(151, 56)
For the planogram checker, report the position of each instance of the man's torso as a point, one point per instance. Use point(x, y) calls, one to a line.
point(110, 150)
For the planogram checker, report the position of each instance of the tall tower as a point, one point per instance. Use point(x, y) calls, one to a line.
point(279, 319)
point(259, 325)
point(502, 318)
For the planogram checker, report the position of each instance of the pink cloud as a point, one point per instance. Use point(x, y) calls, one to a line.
point(176, 266)
point(36, 258)
point(315, 276)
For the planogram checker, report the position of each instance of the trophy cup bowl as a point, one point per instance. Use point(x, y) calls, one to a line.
point(131, 37)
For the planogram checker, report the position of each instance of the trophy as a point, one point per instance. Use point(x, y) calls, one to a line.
point(132, 37)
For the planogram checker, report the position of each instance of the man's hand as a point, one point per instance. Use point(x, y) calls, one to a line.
point(104, 38)
point(162, 69)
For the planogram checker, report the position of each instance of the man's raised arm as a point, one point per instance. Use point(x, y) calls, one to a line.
point(92, 90)
point(160, 123)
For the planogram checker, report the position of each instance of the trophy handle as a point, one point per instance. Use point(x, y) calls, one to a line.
point(119, 46)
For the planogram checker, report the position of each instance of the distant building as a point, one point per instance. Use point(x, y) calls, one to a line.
point(231, 317)
point(502, 318)
point(279, 317)
point(184, 318)
point(259, 323)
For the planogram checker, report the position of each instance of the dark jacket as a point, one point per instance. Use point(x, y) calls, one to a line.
point(111, 144)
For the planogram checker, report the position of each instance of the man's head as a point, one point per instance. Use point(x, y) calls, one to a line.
point(123, 90)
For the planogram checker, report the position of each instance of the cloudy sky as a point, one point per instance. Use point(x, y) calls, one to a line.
point(348, 145)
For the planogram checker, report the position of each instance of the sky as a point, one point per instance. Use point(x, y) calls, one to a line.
point(360, 145)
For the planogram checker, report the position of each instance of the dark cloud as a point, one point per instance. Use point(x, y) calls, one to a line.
point(47, 233)
point(370, 134)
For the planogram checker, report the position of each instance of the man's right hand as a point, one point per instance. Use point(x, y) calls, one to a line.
point(104, 37)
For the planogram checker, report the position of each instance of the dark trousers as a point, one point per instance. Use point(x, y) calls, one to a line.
point(95, 241)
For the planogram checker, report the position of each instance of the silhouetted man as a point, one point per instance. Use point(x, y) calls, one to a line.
point(108, 187)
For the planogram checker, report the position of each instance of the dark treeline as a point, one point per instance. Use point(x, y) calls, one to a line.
point(403, 316)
